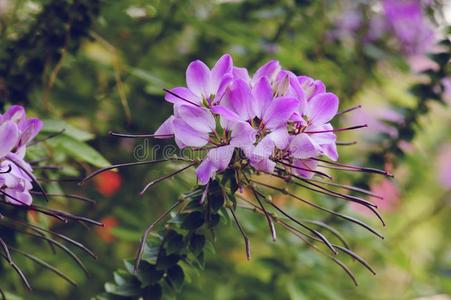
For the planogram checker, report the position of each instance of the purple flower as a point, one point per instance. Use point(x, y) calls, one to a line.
point(406, 19)
point(272, 116)
point(203, 85)
point(16, 131)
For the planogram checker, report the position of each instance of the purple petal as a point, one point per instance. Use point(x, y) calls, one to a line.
point(223, 87)
point(322, 108)
point(282, 82)
point(221, 68)
point(262, 96)
point(302, 146)
point(221, 156)
point(295, 90)
point(198, 118)
point(238, 99)
point(241, 73)
point(189, 136)
point(226, 114)
point(269, 70)
point(9, 137)
point(205, 171)
point(166, 129)
point(279, 112)
point(31, 129)
point(307, 164)
point(263, 149)
point(322, 138)
point(280, 137)
point(15, 113)
point(330, 150)
point(18, 197)
point(264, 165)
point(198, 78)
point(242, 134)
point(311, 87)
point(185, 96)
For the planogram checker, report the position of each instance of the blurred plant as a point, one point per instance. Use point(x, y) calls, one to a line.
point(432, 89)
point(274, 122)
point(26, 58)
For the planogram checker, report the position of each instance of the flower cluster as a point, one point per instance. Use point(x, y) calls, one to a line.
point(16, 178)
point(272, 117)
point(405, 20)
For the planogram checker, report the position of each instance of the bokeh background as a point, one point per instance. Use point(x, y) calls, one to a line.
point(101, 65)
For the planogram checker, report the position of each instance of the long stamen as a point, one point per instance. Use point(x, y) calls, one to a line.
point(315, 232)
point(19, 272)
point(349, 110)
point(33, 179)
point(303, 169)
point(63, 237)
point(137, 163)
point(333, 193)
point(6, 250)
point(345, 143)
point(46, 265)
point(347, 167)
point(71, 196)
point(76, 179)
point(348, 187)
point(138, 136)
point(337, 129)
point(35, 142)
point(59, 245)
point(330, 192)
point(181, 98)
point(149, 229)
point(348, 218)
point(246, 239)
point(165, 177)
point(299, 234)
point(268, 217)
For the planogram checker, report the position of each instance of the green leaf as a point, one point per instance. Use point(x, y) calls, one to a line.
point(175, 277)
point(193, 220)
point(54, 126)
point(153, 292)
point(214, 220)
point(82, 151)
point(123, 290)
point(197, 243)
point(148, 274)
point(166, 261)
point(174, 242)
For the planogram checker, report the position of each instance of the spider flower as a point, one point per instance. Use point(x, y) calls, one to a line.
point(273, 121)
point(273, 116)
point(16, 132)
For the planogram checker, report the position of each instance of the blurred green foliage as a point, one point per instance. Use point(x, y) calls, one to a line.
point(102, 65)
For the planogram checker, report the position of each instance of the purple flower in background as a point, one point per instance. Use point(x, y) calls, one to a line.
point(406, 19)
point(16, 131)
point(444, 166)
